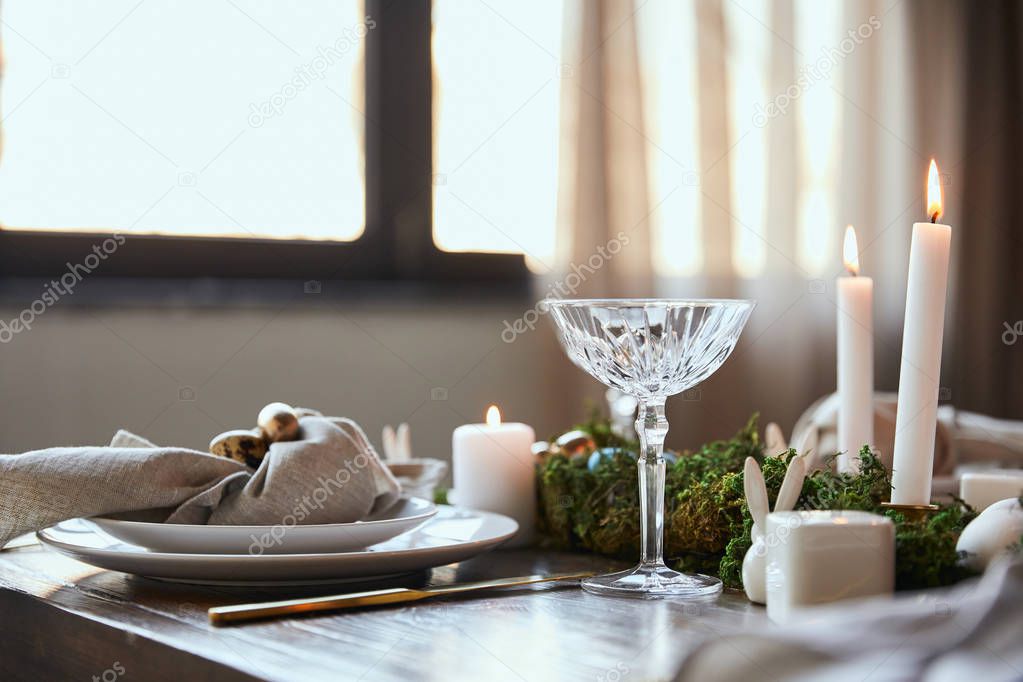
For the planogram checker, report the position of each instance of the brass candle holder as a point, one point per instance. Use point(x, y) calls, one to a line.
point(912, 512)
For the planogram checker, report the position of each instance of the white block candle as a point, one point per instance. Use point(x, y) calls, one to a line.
point(855, 303)
point(820, 556)
point(981, 489)
point(493, 470)
point(915, 421)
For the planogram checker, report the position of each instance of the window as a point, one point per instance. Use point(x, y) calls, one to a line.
point(188, 118)
point(234, 138)
point(409, 139)
point(497, 92)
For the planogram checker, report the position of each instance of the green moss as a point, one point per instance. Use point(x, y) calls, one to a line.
point(925, 550)
point(707, 524)
point(704, 507)
point(730, 567)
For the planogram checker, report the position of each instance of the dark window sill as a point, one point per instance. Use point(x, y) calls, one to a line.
point(148, 270)
point(180, 293)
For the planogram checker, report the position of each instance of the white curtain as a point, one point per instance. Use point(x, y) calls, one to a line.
point(733, 140)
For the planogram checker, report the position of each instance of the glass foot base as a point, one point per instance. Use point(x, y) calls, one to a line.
point(654, 581)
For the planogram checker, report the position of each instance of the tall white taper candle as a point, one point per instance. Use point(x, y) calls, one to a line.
point(855, 304)
point(921, 354)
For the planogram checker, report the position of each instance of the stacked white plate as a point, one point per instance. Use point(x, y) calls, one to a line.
point(410, 536)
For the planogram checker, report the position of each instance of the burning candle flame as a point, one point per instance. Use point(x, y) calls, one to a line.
point(493, 416)
point(935, 205)
point(850, 255)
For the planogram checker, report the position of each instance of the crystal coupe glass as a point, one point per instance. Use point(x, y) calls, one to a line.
point(651, 349)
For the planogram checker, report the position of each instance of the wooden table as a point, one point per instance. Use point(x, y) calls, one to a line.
point(64, 620)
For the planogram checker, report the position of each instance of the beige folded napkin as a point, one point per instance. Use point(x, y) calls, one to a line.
point(961, 438)
point(330, 475)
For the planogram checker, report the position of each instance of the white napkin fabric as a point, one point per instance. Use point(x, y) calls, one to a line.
point(331, 474)
point(972, 631)
point(961, 438)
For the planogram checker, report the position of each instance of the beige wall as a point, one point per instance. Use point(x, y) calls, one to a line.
point(82, 371)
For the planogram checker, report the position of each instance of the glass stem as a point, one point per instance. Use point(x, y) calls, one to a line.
point(652, 427)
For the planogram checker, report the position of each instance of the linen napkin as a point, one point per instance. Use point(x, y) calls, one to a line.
point(331, 474)
point(961, 437)
point(971, 631)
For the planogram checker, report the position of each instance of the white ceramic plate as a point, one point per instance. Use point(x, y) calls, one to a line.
point(403, 516)
point(452, 535)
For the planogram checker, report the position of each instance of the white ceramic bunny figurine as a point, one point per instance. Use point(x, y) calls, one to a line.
point(774, 440)
point(397, 445)
point(754, 564)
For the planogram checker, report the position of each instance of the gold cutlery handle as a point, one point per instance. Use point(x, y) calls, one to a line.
point(228, 614)
point(221, 615)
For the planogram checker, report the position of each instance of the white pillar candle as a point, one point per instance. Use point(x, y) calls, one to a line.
point(913, 461)
point(855, 302)
point(820, 556)
point(493, 470)
point(981, 489)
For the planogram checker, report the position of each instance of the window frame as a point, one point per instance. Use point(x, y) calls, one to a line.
point(397, 243)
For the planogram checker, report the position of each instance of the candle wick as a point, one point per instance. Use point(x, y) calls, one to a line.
point(934, 218)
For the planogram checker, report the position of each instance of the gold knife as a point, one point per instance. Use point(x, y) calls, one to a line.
point(221, 615)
